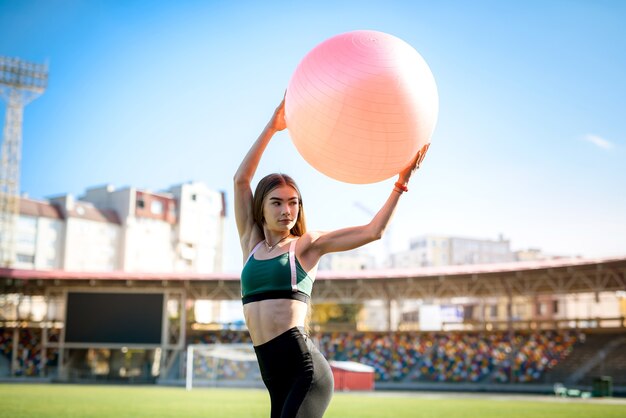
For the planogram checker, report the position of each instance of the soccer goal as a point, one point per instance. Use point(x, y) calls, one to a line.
point(222, 365)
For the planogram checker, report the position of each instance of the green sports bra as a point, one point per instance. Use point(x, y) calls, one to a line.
point(281, 277)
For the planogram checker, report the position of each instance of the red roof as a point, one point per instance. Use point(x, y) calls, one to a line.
point(468, 268)
point(35, 208)
point(82, 210)
point(89, 212)
point(109, 275)
point(323, 275)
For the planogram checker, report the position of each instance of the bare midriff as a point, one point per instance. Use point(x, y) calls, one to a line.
point(267, 319)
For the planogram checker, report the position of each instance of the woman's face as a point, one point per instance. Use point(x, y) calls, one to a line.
point(281, 208)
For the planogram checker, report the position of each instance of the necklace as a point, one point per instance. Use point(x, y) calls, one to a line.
point(271, 247)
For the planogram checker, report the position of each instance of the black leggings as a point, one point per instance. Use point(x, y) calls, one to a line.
point(296, 375)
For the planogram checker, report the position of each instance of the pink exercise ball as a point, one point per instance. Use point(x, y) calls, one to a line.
point(360, 105)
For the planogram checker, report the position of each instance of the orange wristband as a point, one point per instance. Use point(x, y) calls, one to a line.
point(401, 186)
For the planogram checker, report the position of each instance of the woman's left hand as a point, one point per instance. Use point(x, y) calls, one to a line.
point(405, 174)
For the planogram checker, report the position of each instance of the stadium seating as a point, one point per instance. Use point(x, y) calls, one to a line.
point(452, 357)
point(613, 364)
point(222, 336)
point(587, 346)
point(392, 356)
point(488, 357)
point(497, 357)
point(29, 351)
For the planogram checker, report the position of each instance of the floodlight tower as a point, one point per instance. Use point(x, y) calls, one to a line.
point(20, 83)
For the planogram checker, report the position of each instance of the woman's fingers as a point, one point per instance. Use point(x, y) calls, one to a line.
point(422, 154)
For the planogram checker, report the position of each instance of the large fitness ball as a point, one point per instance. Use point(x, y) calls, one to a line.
point(360, 105)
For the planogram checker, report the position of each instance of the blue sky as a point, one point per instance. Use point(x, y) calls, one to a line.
point(530, 141)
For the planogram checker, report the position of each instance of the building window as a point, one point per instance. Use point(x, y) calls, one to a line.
point(26, 258)
point(156, 207)
point(555, 306)
point(141, 203)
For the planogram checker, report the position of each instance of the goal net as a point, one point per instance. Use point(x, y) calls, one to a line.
point(222, 365)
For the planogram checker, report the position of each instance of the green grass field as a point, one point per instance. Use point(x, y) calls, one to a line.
point(86, 401)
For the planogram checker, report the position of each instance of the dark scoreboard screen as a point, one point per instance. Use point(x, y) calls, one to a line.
point(119, 318)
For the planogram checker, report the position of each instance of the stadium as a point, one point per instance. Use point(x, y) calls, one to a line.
point(128, 301)
point(136, 328)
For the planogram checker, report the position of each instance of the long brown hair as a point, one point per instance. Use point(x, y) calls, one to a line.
point(265, 187)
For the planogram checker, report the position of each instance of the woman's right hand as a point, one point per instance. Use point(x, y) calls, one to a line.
point(278, 122)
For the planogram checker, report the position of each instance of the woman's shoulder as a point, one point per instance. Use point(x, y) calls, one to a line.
point(309, 237)
point(308, 240)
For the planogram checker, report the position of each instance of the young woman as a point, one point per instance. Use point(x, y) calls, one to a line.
point(281, 259)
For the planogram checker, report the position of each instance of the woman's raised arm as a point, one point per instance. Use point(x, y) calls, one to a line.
point(349, 238)
point(245, 173)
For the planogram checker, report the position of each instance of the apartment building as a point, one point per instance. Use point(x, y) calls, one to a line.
point(109, 229)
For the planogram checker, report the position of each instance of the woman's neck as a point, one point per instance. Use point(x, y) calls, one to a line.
point(273, 240)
